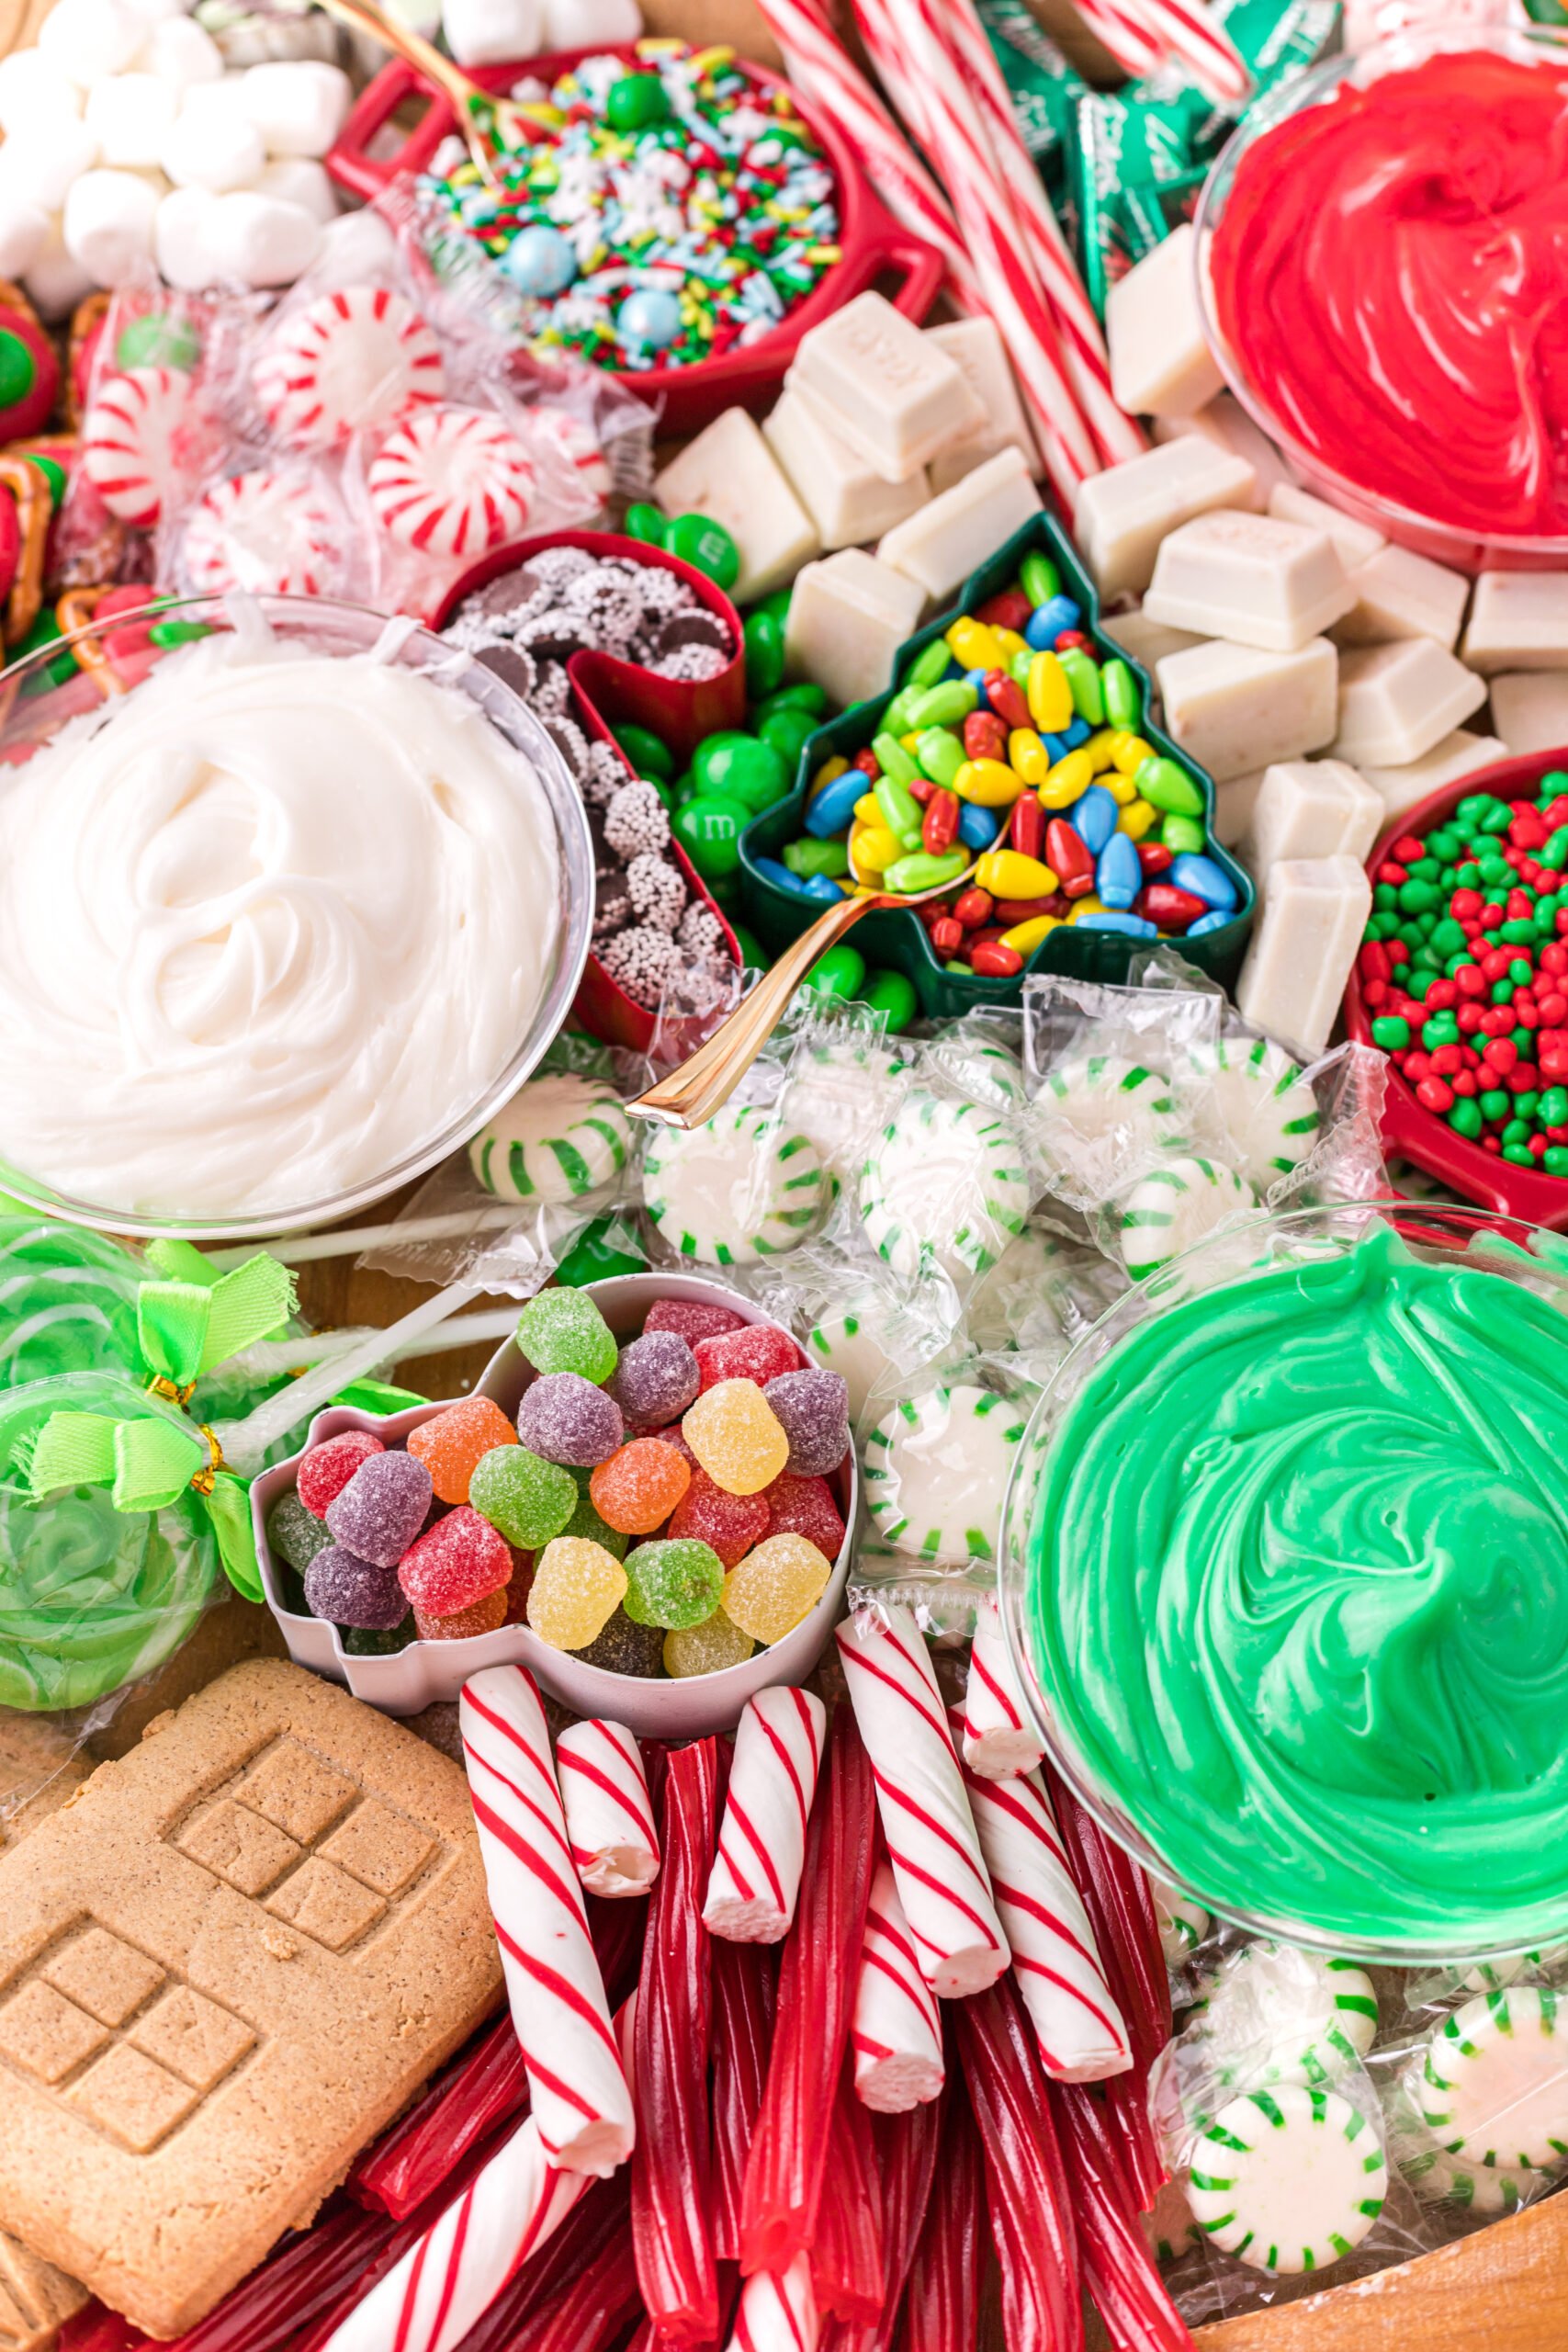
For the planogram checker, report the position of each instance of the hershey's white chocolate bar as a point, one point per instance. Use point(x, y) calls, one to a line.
point(729, 473)
point(1396, 701)
point(977, 348)
point(1518, 620)
point(895, 397)
point(1226, 425)
point(1401, 594)
point(846, 501)
point(1357, 542)
point(1160, 363)
point(1146, 640)
point(1234, 708)
point(1303, 947)
point(847, 617)
point(947, 540)
point(1249, 578)
point(1310, 809)
point(1234, 801)
point(1120, 516)
point(1457, 756)
point(1529, 709)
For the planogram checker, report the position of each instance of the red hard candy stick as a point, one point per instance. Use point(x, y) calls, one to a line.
point(1123, 2279)
point(745, 1993)
point(1031, 2223)
point(942, 2303)
point(848, 2276)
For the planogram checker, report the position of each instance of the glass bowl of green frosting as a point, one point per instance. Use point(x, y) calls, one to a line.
point(1285, 1577)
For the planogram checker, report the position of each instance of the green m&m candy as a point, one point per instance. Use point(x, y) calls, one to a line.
point(788, 732)
point(752, 952)
point(839, 973)
point(741, 767)
point(706, 545)
point(597, 1253)
point(645, 523)
point(708, 828)
point(764, 654)
point(891, 994)
point(647, 753)
point(636, 101)
point(806, 694)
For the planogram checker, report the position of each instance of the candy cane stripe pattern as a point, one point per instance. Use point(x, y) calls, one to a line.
point(609, 1820)
point(147, 432)
point(925, 1814)
point(755, 1879)
point(452, 481)
point(777, 2311)
point(359, 358)
point(581, 2098)
point(998, 1740)
point(260, 532)
point(895, 2034)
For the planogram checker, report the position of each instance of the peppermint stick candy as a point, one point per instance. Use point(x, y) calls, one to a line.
point(609, 1820)
point(777, 2311)
point(998, 1739)
point(577, 2087)
point(926, 1819)
point(755, 1879)
point(895, 2032)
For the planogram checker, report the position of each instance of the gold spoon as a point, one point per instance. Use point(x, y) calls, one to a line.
point(486, 122)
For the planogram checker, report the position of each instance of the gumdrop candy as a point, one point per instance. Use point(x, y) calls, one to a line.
point(454, 1442)
point(562, 1330)
point(518, 1590)
point(459, 1561)
point(576, 1586)
point(352, 1592)
point(586, 1522)
point(693, 1319)
point(528, 1499)
point(638, 1487)
point(567, 1419)
point(382, 1509)
point(655, 1381)
point(369, 1641)
point(706, 1648)
point(728, 1525)
point(813, 1408)
point(774, 1586)
point(805, 1507)
point(295, 1534)
point(673, 1583)
point(758, 1351)
point(485, 1615)
point(735, 1434)
point(625, 1648)
point(325, 1470)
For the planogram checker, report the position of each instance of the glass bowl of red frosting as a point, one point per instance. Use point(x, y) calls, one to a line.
point(1383, 270)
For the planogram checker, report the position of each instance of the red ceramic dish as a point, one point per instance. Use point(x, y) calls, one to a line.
point(609, 692)
point(1409, 1130)
point(872, 244)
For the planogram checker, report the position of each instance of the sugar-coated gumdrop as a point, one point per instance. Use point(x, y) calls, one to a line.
point(693, 1319)
point(813, 1408)
point(325, 1470)
point(735, 1434)
point(706, 1648)
point(576, 1586)
point(759, 1351)
point(352, 1592)
point(775, 1585)
point(728, 1525)
point(382, 1509)
point(625, 1648)
point(562, 1330)
point(528, 1499)
point(639, 1486)
point(673, 1583)
point(481, 1616)
point(454, 1442)
point(655, 1380)
point(586, 1522)
point(567, 1419)
point(369, 1641)
point(459, 1561)
point(294, 1533)
point(805, 1507)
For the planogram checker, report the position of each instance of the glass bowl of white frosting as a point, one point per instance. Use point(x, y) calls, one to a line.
point(286, 915)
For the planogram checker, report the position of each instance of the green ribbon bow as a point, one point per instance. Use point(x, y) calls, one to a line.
point(195, 1318)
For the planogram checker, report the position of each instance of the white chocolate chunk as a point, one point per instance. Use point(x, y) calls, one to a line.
point(730, 473)
point(1357, 542)
point(1160, 360)
point(1226, 426)
point(1529, 709)
point(981, 355)
point(1401, 594)
point(1146, 640)
point(1120, 516)
point(944, 542)
point(894, 398)
point(1457, 756)
point(1233, 708)
point(1234, 801)
point(1303, 948)
point(847, 617)
point(847, 501)
point(1289, 2179)
point(1310, 809)
point(1396, 701)
point(1518, 620)
point(1249, 578)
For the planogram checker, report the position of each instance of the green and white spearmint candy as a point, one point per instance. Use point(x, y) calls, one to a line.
point(1255, 1109)
point(1288, 2179)
point(560, 1136)
point(739, 1188)
point(944, 1186)
point(936, 1468)
point(1440, 2178)
point(1098, 1112)
point(1494, 2087)
point(1173, 1207)
point(978, 1067)
point(1022, 1289)
point(1182, 1921)
point(840, 1095)
point(1271, 2012)
point(1168, 2226)
point(852, 1341)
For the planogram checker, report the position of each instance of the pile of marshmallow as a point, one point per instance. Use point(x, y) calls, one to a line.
point(128, 146)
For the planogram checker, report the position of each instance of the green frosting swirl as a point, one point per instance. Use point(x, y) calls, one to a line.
point(1298, 1593)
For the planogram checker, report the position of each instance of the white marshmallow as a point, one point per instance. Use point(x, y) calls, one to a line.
point(491, 32)
point(57, 281)
point(41, 163)
point(260, 240)
point(108, 226)
point(180, 241)
point(298, 108)
point(130, 115)
point(295, 179)
point(33, 92)
point(355, 246)
point(24, 232)
point(213, 144)
point(88, 39)
point(181, 54)
point(583, 24)
point(152, 13)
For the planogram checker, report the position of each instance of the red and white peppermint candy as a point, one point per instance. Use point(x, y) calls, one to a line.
point(925, 1814)
point(755, 1881)
point(353, 362)
point(999, 1738)
point(261, 532)
point(452, 481)
point(577, 445)
point(609, 1819)
point(897, 2032)
point(148, 437)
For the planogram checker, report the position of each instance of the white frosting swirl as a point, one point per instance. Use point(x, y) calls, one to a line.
point(267, 924)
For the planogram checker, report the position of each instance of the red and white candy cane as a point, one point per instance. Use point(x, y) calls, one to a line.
point(1190, 32)
point(609, 1818)
point(777, 2311)
point(926, 1820)
point(755, 1881)
point(581, 2098)
point(895, 2034)
point(998, 1739)
point(1133, 47)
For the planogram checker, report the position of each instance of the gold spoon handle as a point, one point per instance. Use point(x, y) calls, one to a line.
point(363, 16)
